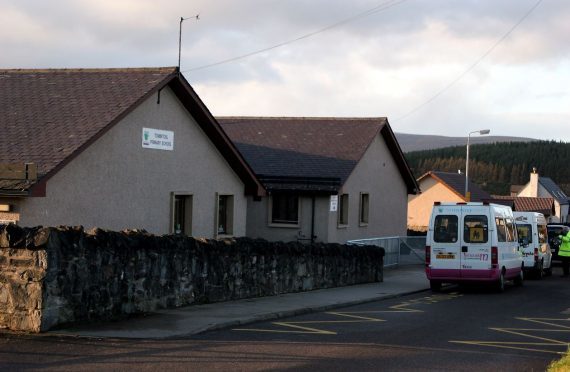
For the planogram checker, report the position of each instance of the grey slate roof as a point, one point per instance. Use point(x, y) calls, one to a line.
point(49, 116)
point(286, 169)
point(309, 154)
point(553, 189)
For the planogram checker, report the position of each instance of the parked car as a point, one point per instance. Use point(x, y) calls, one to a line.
point(533, 240)
point(472, 242)
point(554, 231)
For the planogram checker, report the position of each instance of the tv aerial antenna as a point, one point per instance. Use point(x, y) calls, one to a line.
point(182, 19)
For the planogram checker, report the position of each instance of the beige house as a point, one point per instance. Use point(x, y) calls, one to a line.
point(545, 187)
point(438, 186)
point(328, 179)
point(118, 149)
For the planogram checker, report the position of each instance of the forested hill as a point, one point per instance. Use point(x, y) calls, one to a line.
point(418, 142)
point(497, 166)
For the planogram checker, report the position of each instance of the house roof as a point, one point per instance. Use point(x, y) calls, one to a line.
point(553, 189)
point(48, 117)
point(515, 189)
point(526, 204)
point(456, 183)
point(310, 154)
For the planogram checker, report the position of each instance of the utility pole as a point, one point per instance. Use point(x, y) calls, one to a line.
point(182, 19)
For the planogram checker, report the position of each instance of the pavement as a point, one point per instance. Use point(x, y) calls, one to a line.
point(195, 319)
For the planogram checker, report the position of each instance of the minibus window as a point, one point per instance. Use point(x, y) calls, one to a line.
point(511, 235)
point(525, 232)
point(542, 234)
point(475, 229)
point(445, 229)
point(501, 229)
point(554, 232)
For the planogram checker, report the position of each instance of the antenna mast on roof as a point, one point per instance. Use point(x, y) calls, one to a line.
point(182, 19)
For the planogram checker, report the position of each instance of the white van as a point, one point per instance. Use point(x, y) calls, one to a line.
point(533, 239)
point(472, 242)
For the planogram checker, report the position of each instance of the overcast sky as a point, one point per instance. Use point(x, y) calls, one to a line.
point(425, 64)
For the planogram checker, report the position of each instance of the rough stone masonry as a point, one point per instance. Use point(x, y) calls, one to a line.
point(55, 276)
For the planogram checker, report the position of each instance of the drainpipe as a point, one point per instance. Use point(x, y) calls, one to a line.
point(312, 219)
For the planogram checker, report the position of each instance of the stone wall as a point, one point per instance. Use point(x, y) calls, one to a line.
point(54, 276)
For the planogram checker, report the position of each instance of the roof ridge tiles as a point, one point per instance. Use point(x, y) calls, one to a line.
point(111, 69)
point(335, 118)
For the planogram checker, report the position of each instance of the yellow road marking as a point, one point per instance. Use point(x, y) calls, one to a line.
point(513, 331)
point(542, 321)
point(315, 330)
point(298, 329)
point(402, 308)
point(356, 316)
point(510, 347)
point(507, 343)
point(335, 321)
point(384, 311)
point(525, 332)
point(350, 315)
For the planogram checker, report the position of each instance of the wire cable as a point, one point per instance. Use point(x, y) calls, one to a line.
point(377, 9)
point(472, 66)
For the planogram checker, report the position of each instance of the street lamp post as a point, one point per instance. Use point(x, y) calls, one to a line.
point(480, 132)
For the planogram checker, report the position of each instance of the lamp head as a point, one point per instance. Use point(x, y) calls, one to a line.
point(484, 131)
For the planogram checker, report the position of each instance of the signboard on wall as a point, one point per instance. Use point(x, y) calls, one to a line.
point(157, 139)
point(334, 203)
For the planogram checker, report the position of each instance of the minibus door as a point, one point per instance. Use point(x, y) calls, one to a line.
point(446, 245)
point(475, 244)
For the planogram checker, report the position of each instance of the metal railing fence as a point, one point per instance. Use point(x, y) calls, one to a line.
point(400, 250)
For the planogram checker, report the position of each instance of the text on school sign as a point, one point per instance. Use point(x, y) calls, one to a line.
point(157, 139)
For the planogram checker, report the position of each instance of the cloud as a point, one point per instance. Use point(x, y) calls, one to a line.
point(384, 64)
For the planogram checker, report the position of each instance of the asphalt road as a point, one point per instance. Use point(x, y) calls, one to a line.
point(459, 329)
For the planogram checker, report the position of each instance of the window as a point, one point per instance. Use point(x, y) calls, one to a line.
point(225, 220)
point(524, 232)
point(501, 229)
point(511, 231)
point(445, 229)
point(475, 229)
point(364, 209)
point(343, 210)
point(284, 209)
point(542, 234)
point(181, 214)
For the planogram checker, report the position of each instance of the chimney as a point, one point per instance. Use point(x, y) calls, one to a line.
point(534, 183)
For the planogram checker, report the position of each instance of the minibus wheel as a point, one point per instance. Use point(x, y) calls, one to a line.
point(548, 272)
point(519, 279)
point(500, 285)
point(435, 285)
point(540, 270)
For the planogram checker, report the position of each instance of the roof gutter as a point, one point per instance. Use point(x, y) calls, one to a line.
point(13, 193)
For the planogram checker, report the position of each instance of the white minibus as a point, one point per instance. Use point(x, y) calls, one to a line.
point(472, 242)
point(533, 239)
